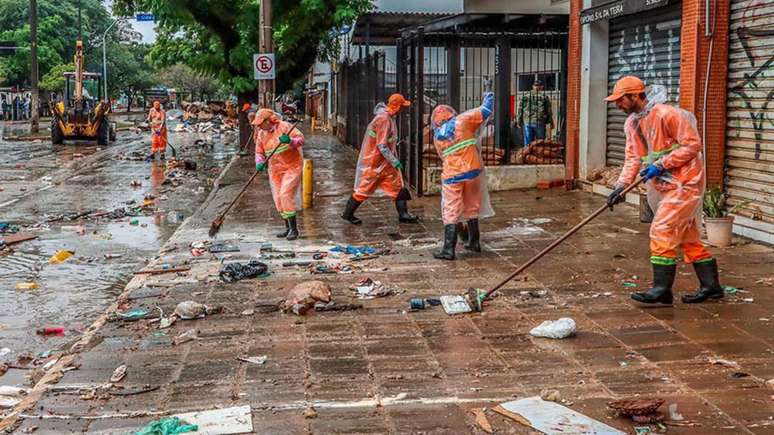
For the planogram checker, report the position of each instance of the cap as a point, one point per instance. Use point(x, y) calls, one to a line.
point(264, 114)
point(626, 85)
point(246, 107)
point(398, 100)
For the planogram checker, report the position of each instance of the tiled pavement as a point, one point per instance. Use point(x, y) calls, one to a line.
point(384, 369)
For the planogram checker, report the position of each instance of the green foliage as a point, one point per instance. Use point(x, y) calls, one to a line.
point(54, 80)
point(184, 79)
point(218, 37)
point(715, 204)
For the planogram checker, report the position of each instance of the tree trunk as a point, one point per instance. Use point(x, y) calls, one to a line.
point(131, 99)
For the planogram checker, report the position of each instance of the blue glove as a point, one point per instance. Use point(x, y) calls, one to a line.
point(259, 167)
point(285, 139)
point(651, 171)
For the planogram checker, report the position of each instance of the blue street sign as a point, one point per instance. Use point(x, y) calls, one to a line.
point(145, 17)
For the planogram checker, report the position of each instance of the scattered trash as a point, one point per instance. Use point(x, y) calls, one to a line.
point(60, 257)
point(234, 272)
point(132, 315)
point(136, 183)
point(481, 420)
point(354, 250)
point(26, 285)
point(551, 395)
point(326, 268)
point(417, 304)
point(51, 330)
point(166, 322)
point(199, 248)
point(167, 426)
point(674, 415)
point(642, 430)
point(219, 247)
point(730, 290)
point(11, 396)
point(134, 222)
point(234, 420)
point(185, 337)
point(190, 310)
point(562, 328)
point(6, 228)
point(739, 375)
point(770, 383)
point(723, 362)
point(118, 374)
point(5, 351)
point(748, 300)
point(260, 360)
point(629, 284)
point(304, 295)
point(640, 409)
point(367, 288)
point(310, 412)
point(549, 417)
point(113, 256)
point(455, 305)
point(163, 270)
point(247, 312)
point(333, 306)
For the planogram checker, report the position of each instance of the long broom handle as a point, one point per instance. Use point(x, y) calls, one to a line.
point(255, 174)
point(558, 241)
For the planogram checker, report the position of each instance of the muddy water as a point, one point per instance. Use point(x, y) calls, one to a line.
point(72, 294)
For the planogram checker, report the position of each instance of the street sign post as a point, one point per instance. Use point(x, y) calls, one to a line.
point(264, 67)
point(145, 17)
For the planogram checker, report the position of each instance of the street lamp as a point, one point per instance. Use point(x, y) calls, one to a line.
point(104, 58)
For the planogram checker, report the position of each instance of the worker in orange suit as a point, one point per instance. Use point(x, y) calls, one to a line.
point(157, 119)
point(664, 146)
point(278, 147)
point(378, 166)
point(464, 193)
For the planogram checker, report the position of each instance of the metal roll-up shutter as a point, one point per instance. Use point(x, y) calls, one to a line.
point(750, 109)
point(646, 45)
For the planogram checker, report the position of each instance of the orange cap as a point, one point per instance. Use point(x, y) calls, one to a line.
point(264, 114)
point(246, 107)
point(626, 85)
point(395, 102)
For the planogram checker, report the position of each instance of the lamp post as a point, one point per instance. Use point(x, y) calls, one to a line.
point(104, 58)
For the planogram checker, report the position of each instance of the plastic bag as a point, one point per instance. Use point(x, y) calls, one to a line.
point(562, 328)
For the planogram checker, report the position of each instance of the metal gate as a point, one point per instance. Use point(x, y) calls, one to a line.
point(361, 84)
point(750, 109)
point(646, 45)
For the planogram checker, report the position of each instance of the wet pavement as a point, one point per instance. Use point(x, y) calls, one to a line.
point(386, 369)
point(43, 185)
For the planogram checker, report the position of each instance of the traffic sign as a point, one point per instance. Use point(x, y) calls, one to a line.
point(263, 66)
point(145, 17)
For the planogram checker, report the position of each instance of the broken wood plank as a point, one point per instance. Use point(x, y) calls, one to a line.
point(18, 238)
point(481, 420)
point(162, 271)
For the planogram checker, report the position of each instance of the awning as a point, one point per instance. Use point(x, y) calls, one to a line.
point(383, 28)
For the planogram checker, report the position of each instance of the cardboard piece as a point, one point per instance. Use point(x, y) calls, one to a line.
point(552, 418)
point(224, 421)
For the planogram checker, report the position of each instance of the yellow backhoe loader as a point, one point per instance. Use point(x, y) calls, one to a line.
point(81, 115)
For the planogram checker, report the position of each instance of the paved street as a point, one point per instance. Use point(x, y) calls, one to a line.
point(386, 369)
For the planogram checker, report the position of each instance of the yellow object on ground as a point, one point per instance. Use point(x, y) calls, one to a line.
point(308, 186)
point(60, 257)
point(26, 286)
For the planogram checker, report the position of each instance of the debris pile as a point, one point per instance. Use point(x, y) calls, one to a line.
point(606, 176)
point(639, 409)
point(304, 295)
point(540, 152)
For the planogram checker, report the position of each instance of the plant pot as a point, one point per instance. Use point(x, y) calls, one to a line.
point(719, 230)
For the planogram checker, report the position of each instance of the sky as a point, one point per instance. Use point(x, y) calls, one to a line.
point(149, 35)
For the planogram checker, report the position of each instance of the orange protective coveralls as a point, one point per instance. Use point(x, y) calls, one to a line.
point(285, 166)
point(375, 166)
point(675, 196)
point(158, 129)
point(461, 177)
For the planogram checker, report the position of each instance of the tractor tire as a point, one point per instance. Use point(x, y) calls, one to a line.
point(103, 133)
point(57, 136)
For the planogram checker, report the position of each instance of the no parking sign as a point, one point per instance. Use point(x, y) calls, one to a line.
point(263, 66)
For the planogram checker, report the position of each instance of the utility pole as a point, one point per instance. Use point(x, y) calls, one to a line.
point(34, 124)
point(266, 87)
point(104, 59)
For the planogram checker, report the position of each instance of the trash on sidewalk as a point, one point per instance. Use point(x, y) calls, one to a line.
point(11, 396)
point(551, 395)
point(132, 315)
point(6, 228)
point(5, 351)
point(199, 248)
point(333, 306)
point(185, 337)
point(234, 272)
point(674, 414)
point(368, 288)
point(234, 420)
point(219, 247)
point(481, 420)
point(730, 290)
point(26, 285)
point(455, 304)
point(166, 322)
point(562, 328)
point(60, 257)
point(118, 374)
point(190, 310)
point(327, 268)
point(112, 256)
point(163, 270)
point(550, 417)
point(639, 409)
point(358, 251)
point(167, 426)
point(51, 330)
point(310, 412)
point(304, 295)
point(723, 362)
point(18, 238)
point(260, 360)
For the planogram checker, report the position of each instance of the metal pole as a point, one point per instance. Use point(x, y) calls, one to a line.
point(104, 60)
point(34, 103)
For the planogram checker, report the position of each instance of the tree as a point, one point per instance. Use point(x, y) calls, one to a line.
point(219, 37)
point(184, 79)
point(128, 72)
point(54, 80)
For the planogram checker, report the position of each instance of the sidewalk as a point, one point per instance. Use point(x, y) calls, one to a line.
point(384, 369)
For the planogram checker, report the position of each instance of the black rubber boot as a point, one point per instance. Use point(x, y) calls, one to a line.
point(709, 283)
point(284, 233)
point(401, 204)
point(474, 236)
point(292, 228)
point(449, 243)
point(349, 211)
point(661, 292)
point(462, 232)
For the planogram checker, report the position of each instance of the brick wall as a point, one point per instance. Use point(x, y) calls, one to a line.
point(573, 89)
point(695, 55)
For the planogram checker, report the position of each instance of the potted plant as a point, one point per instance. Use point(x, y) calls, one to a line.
point(716, 219)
